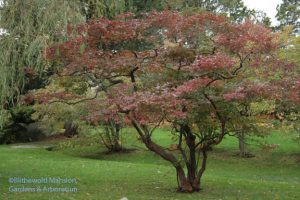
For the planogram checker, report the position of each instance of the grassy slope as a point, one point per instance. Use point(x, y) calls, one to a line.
point(142, 175)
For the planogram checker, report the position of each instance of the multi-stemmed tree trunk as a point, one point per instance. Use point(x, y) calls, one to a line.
point(189, 181)
point(194, 173)
point(111, 136)
point(71, 129)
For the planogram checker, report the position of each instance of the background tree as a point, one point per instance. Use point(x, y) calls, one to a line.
point(30, 26)
point(287, 112)
point(138, 6)
point(235, 10)
point(111, 8)
point(288, 13)
point(261, 17)
point(107, 8)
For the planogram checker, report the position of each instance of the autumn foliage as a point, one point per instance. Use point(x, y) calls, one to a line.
point(193, 71)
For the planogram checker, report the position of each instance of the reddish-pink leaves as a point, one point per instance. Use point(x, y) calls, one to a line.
point(192, 86)
point(159, 80)
point(246, 38)
point(248, 91)
point(212, 62)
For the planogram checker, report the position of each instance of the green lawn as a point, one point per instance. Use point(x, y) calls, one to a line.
point(142, 175)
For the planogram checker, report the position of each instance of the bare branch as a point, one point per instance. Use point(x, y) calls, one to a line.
point(158, 124)
point(77, 102)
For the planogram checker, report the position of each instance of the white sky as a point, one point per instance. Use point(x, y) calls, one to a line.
point(268, 6)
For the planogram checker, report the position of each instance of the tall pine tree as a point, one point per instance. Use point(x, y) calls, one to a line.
point(288, 13)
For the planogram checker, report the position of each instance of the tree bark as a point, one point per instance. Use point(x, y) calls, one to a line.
point(186, 183)
point(192, 167)
point(111, 138)
point(242, 144)
point(203, 167)
point(71, 129)
point(183, 184)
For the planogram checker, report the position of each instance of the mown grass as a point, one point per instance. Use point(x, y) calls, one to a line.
point(141, 175)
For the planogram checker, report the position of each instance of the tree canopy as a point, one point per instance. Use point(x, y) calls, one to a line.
point(195, 72)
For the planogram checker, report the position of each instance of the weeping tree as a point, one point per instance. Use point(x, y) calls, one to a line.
point(28, 27)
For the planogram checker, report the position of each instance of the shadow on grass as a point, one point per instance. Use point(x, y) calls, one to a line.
point(100, 155)
point(130, 155)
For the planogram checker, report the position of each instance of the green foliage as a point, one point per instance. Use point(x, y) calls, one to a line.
point(235, 9)
point(111, 8)
point(261, 17)
point(14, 128)
point(268, 176)
point(139, 6)
point(290, 45)
point(22, 114)
point(30, 26)
point(77, 143)
point(76, 85)
point(54, 116)
point(290, 51)
point(288, 13)
point(99, 8)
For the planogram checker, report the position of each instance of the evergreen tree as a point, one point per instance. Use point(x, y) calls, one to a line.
point(288, 13)
point(235, 9)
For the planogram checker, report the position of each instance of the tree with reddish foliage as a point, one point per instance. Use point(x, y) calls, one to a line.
point(195, 72)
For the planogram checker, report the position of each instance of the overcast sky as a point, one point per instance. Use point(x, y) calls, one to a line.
point(268, 6)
